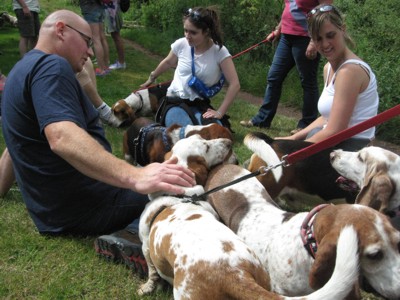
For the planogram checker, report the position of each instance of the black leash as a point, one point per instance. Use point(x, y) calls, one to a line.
point(203, 197)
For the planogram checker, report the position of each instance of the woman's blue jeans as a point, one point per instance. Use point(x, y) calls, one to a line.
point(291, 51)
point(177, 115)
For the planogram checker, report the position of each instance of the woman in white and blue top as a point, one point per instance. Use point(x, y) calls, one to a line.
point(211, 60)
point(350, 93)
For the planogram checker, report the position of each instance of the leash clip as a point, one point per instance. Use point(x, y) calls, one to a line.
point(264, 170)
point(194, 199)
point(284, 161)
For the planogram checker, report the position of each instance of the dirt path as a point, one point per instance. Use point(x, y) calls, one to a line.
point(287, 111)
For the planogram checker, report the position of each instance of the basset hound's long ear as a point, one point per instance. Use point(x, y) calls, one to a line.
point(198, 166)
point(324, 264)
point(377, 189)
point(167, 155)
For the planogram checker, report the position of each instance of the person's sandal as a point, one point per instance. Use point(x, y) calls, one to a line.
point(247, 123)
point(121, 250)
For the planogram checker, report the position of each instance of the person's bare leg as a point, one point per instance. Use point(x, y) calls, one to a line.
point(23, 45)
point(98, 45)
point(7, 176)
point(119, 46)
point(104, 43)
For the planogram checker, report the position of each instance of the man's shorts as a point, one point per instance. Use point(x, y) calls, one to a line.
point(28, 26)
point(95, 15)
point(113, 24)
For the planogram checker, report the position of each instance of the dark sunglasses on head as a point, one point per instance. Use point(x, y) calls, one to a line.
point(324, 8)
point(88, 39)
point(194, 14)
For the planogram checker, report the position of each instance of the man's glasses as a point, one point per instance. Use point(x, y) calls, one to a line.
point(324, 8)
point(194, 14)
point(88, 39)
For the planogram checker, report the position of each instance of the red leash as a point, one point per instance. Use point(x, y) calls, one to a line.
point(251, 48)
point(236, 55)
point(341, 136)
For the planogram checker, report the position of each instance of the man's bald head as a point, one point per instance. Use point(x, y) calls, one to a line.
point(66, 34)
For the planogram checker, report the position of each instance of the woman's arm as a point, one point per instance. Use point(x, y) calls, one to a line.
point(167, 63)
point(229, 71)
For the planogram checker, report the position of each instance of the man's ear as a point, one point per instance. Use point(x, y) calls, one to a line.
point(59, 29)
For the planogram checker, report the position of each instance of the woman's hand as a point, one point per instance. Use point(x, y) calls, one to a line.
point(311, 52)
point(210, 113)
point(149, 81)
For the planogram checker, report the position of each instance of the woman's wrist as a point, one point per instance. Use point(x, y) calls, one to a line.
point(152, 77)
point(219, 113)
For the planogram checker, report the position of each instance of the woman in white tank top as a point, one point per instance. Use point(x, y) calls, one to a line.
point(350, 91)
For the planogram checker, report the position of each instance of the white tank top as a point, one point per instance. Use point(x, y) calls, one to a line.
point(366, 105)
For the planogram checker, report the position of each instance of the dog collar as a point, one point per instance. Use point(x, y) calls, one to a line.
point(307, 231)
point(140, 155)
point(141, 101)
point(182, 132)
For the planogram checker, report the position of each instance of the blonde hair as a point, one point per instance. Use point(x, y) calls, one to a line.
point(317, 17)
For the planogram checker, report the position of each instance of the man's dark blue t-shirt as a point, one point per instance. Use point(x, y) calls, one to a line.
point(42, 89)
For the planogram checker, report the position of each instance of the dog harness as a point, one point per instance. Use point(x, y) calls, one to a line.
point(140, 155)
point(307, 231)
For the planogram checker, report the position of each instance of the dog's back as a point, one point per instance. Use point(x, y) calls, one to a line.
point(313, 175)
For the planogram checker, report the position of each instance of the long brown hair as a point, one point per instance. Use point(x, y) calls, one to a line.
point(206, 19)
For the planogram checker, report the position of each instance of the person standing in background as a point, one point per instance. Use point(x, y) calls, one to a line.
point(93, 13)
point(295, 48)
point(27, 12)
point(113, 22)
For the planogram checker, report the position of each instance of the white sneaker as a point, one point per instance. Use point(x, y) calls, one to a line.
point(117, 65)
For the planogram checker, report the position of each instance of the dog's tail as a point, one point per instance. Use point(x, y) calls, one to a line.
point(259, 144)
point(345, 273)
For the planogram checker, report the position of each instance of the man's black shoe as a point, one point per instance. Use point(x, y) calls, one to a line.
point(126, 249)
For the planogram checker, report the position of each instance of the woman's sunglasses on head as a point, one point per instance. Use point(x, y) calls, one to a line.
point(324, 8)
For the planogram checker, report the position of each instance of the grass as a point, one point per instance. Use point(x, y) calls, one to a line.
point(39, 267)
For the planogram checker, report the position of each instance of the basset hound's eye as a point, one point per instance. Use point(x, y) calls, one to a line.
point(360, 157)
point(377, 255)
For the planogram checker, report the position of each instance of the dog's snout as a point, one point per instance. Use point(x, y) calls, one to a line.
point(332, 155)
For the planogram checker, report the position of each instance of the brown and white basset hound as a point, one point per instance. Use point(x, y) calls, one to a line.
point(142, 103)
point(186, 245)
point(313, 175)
point(376, 173)
point(145, 142)
point(287, 243)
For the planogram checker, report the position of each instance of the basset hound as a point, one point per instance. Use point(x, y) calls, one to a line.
point(145, 142)
point(376, 174)
point(313, 175)
point(186, 245)
point(142, 103)
point(299, 251)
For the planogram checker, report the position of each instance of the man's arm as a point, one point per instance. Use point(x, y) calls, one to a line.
point(84, 153)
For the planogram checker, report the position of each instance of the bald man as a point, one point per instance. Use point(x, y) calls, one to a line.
point(70, 181)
